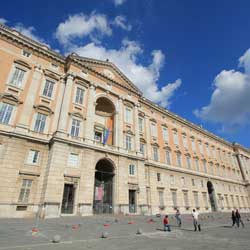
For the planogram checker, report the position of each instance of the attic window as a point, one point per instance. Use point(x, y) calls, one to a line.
point(54, 66)
point(26, 53)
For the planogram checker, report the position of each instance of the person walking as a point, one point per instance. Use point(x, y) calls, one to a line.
point(178, 217)
point(166, 224)
point(238, 219)
point(196, 222)
point(233, 217)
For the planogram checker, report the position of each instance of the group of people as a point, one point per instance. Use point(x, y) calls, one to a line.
point(236, 219)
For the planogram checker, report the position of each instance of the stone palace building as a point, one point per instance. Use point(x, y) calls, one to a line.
point(77, 137)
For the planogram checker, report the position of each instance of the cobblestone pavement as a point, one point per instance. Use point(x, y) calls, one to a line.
point(85, 233)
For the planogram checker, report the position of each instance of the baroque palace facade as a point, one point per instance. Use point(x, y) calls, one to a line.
point(77, 137)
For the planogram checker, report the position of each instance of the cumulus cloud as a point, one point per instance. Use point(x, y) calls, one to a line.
point(121, 21)
point(126, 58)
point(82, 25)
point(119, 2)
point(3, 21)
point(230, 100)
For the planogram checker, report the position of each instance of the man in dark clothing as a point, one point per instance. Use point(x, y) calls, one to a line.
point(238, 219)
point(233, 218)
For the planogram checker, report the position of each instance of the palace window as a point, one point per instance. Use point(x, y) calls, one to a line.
point(185, 144)
point(185, 197)
point(155, 154)
point(48, 88)
point(161, 198)
point(73, 160)
point(142, 148)
point(40, 122)
point(188, 161)
point(153, 130)
point(128, 115)
point(172, 180)
point(197, 164)
point(5, 112)
point(141, 124)
point(168, 157)
point(25, 191)
point(128, 142)
point(165, 134)
point(131, 169)
point(178, 159)
point(183, 182)
point(158, 176)
point(193, 145)
point(33, 157)
point(205, 166)
point(201, 147)
point(196, 199)
point(17, 77)
point(176, 139)
point(79, 95)
point(205, 201)
point(174, 198)
point(75, 127)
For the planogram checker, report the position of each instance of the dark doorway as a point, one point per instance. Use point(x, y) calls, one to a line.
point(103, 193)
point(68, 199)
point(211, 193)
point(132, 201)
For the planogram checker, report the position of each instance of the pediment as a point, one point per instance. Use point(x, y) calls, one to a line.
point(107, 70)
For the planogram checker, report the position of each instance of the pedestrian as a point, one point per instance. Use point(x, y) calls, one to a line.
point(178, 217)
point(238, 219)
point(166, 224)
point(196, 222)
point(233, 218)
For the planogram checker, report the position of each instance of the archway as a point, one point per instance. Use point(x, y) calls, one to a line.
point(103, 192)
point(104, 130)
point(212, 197)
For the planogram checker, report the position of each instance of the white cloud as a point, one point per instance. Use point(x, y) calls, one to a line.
point(230, 101)
point(119, 2)
point(29, 32)
point(121, 21)
point(81, 25)
point(3, 21)
point(126, 59)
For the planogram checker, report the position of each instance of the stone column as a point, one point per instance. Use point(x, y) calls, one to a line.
point(62, 126)
point(23, 122)
point(120, 121)
point(89, 128)
point(137, 135)
point(116, 128)
point(148, 137)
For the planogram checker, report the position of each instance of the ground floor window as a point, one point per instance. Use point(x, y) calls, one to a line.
point(25, 191)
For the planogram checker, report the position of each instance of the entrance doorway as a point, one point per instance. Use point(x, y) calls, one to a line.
point(103, 192)
point(132, 201)
point(212, 197)
point(68, 199)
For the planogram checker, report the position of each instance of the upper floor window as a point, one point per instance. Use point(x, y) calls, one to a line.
point(128, 142)
point(17, 77)
point(153, 130)
point(128, 115)
point(178, 159)
point(141, 124)
point(207, 150)
point(201, 147)
point(142, 148)
point(40, 122)
point(188, 161)
point(183, 182)
point(193, 145)
point(172, 180)
point(5, 112)
point(158, 177)
point(75, 127)
point(33, 157)
point(205, 166)
point(168, 157)
point(25, 191)
point(176, 139)
point(26, 53)
point(165, 134)
point(73, 160)
point(48, 88)
point(185, 144)
point(131, 169)
point(79, 95)
point(155, 154)
point(197, 165)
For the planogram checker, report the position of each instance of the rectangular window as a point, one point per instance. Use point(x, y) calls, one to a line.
point(172, 181)
point(196, 199)
point(26, 53)
point(153, 130)
point(201, 147)
point(205, 166)
point(73, 160)
point(128, 115)
point(131, 169)
point(40, 122)
point(168, 157)
point(48, 88)
point(161, 198)
point(141, 124)
point(178, 159)
point(188, 162)
point(183, 182)
point(142, 148)
point(176, 139)
point(193, 145)
point(207, 150)
point(158, 177)
point(165, 134)
point(185, 197)
point(211, 168)
point(79, 95)
point(197, 165)
point(174, 198)
point(227, 201)
point(155, 153)
point(128, 142)
point(17, 77)
point(5, 112)
point(75, 127)
point(98, 136)
point(202, 184)
point(33, 157)
point(193, 182)
point(25, 191)
point(185, 144)
point(205, 201)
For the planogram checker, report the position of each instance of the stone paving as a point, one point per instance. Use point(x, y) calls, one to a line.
point(121, 231)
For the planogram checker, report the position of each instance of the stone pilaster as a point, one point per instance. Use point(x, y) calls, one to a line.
point(148, 137)
point(137, 136)
point(120, 122)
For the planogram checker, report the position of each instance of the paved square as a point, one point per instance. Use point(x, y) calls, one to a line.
point(85, 233)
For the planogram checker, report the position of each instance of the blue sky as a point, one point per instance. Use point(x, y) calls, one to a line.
point(191, 56)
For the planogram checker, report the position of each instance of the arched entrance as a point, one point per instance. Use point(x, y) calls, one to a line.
point(212, 197)
point(103, 192)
